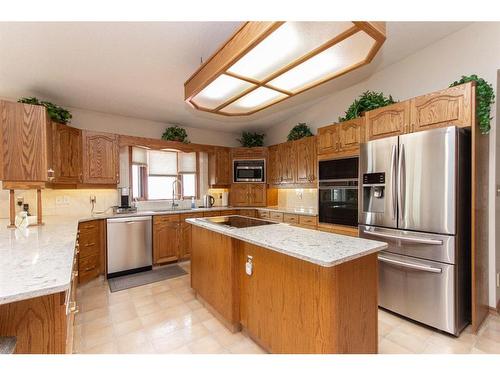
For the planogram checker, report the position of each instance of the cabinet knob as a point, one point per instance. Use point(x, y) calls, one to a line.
point(50, 174)
point(73, 308)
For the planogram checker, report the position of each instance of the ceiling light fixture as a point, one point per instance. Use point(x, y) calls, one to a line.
point(264, 63)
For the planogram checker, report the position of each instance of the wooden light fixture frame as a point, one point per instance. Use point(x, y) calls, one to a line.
point(246, 38)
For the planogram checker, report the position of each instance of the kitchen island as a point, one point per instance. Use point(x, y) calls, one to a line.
point(292, 290)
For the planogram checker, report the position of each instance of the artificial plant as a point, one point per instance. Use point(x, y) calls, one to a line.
point(175, 133)
point(249, 139)
point(299, 131)
point(56, 113)
point(485, 97)
point(365, 102)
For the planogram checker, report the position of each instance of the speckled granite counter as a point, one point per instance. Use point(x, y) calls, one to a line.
point(322, 248)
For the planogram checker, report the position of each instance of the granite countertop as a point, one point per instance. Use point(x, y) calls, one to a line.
point(322, 248)
point(38, 260)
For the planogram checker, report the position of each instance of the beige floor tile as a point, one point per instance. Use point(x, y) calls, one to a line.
point(176, 311)
point(194, 304)
point(147, 309)
point(159, 288)
point(119, 297)
point(408, 341)
point(386, 346)
point(108, 348)
point(203, 314)
point(213, 325)
point(86, 317)
point(132, 343)
point(227, 339)
point(182, 350)
point(126, 327)
point(153, 318)
point(100, 337)
point(163, 328)
point(96, 325)
point(143, 300)
point(246, 346)
point(384, 328)
point(486, 345)
point(205, 345)
point(119, 316)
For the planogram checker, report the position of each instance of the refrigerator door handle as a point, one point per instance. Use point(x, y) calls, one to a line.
point(401, 181)
point(426, 241)
point(413, 266)
point(394, 182)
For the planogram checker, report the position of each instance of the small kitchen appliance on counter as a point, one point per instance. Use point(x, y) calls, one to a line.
point(208, 201)
point(124, 207)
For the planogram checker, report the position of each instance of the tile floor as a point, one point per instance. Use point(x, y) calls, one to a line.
point(164, 317)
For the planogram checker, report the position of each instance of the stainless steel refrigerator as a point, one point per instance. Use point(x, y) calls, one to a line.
point(415, 195)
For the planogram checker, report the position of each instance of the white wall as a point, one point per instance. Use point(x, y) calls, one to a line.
point(474, 49)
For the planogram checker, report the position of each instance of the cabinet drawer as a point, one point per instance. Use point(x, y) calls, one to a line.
point(229, 212)
point(89, 228)
point(190, 216)
point(307, 220)
point(263, 214)
point(211, 213)
point(88, 268)
point(276, 216)
point(291, 218)
point(167, 218)
point(249, 213)
point(88, 249)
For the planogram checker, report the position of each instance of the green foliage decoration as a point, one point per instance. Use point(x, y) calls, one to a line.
point(56, 113)
point(485, 97)
point(175, 133)
point(299, 131)
point(249, 139)
point(365, 102)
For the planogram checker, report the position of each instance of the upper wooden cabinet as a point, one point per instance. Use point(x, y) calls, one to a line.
point(286, 153)
point(341, 139)
point(273, 166)
point(100, 158)
point(388, 121)
point(306, 160)
point(219, 167)
point(26, 140)
point(442, 108)
point(67, 153)
point(249, 153)
point(244, 195)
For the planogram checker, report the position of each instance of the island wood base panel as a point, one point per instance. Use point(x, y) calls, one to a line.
point(287, 305)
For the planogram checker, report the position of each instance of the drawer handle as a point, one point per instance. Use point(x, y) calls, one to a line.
point(90, 268)
point(73, 308)
point(89, 244)
point(412, 266)
point(75, 273)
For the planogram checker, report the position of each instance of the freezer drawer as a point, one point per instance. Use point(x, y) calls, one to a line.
point(419, 289)
point(436, 247)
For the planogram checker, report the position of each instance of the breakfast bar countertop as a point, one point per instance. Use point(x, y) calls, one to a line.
point(321, 248)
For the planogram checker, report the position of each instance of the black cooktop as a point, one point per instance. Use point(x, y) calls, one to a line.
point(238, 221)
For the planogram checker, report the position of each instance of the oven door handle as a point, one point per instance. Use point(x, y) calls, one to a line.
point(425, 241)
point(413, 266)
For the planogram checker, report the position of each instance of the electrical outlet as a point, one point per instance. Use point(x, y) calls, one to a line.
point(62, 200)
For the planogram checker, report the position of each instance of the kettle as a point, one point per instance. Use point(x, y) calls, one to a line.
point(208, 201)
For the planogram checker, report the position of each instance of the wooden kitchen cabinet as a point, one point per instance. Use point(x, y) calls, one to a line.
point(273, 166)
point(67, 154)
point(286, 153)
point(351, 134)
point(100, 158)
point(306, 160)
point(443, 108)
point(185, 235)
point(219, 167)
point(388, 121)
point(248, 213)
point(26, 141)
point(91, 250)
point(249, 153)
point(166, 238)
point(328, 142)
point(243, 194)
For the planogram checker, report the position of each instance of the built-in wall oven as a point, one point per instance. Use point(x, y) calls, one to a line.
point(338, 191)
point(249, 170)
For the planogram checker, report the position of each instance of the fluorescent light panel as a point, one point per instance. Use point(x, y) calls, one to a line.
point(289, 42)
point(253, 100)
point(325, 64)
point(220, 91)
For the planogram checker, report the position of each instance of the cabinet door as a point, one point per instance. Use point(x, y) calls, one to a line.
point(351, 135)
point(388, 121)
point(100, 158)
point(287, 161)
point(442, 108)
point(306, 160)
point(240, 194)
point(185, 248)
point(25, 138)
point(273, 166)
point(219, 167)
point(327, 140)
point(67, 153)
point(258, 194)
point(165, 241)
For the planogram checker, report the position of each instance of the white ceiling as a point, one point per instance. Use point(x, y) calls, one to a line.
point(139, 69)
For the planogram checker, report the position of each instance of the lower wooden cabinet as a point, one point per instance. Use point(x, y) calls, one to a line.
point(91, 249)
point(185, 235)
point(166, 233)
point(249, 213)
point(339, 229)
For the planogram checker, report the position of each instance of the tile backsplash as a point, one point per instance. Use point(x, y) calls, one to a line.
point(298, 198)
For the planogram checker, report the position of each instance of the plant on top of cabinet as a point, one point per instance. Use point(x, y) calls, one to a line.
point(365, 102)
point(175, 133)
point(56, 113)
point(485, 98)
point(249, 139)
point(299, 131)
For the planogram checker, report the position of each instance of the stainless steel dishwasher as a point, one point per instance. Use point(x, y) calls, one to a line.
point(129, 247)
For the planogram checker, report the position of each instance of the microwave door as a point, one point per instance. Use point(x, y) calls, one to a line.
point(378, 177)
point(427, 181)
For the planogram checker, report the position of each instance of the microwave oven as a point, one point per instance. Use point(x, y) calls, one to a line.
point(249, 170)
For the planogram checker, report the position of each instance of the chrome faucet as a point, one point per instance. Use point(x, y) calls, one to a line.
point(175, 184)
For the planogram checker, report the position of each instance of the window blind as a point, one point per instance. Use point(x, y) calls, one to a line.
point(162, 163)
point(187, 162)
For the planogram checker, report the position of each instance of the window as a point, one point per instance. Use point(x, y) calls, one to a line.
point(154, 174)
